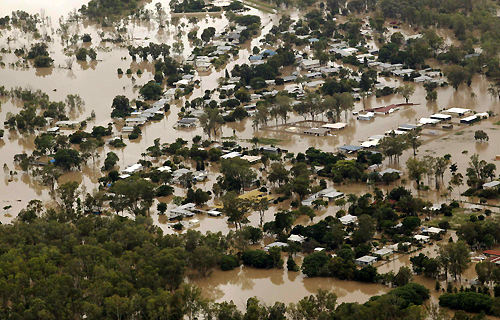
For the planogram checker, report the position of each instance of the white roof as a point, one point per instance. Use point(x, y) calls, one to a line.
point(491, 184)
point(250, 158)
point(124, 176)
point(367, 259)
point(421, 237)
point(428, 121)
point(133, 168)
point(165, 168)
point(309, 62)
point(296, 238)
point(457, 110)
point(383, 251)
point(396, 132)
point(470, 118)
point(433, 230)
point(370, 143)
point(230, 155)
point(348, 219)
point(338, 125)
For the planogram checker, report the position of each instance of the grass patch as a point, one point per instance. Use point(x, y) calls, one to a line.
point(497, 123)
point(459, 133)
point(267, 141)
point(458, 218)
point(229, 138)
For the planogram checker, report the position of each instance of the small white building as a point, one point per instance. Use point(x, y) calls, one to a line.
point(348, 219)
point(366, 261)
point(296, 238)
point(366, 117)
point(132, 168)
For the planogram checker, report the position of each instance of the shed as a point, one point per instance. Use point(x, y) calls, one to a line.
point(492, 184)
point(335, 126)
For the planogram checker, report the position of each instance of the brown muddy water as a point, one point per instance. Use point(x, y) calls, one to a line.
point(97, 83)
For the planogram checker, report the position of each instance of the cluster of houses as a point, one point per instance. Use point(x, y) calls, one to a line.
point(141, 117)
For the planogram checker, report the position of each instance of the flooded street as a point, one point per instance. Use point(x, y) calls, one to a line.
point(97, 82)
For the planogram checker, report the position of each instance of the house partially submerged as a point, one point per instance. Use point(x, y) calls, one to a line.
point(365, 261)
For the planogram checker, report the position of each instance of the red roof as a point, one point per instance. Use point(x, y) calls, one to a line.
point(492, 253)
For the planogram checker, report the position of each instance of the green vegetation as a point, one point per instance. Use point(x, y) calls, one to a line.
point(101, 9)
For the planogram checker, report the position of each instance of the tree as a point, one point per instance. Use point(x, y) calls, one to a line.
point(67, 159)
point(416, 169)
point(406, 91)
point(413, 138)
point(203, 259)
point(345, 102)
point(121, 107)
point(235, 208)
point(366, 230)
point(48, 175)
point(161, 207)
point(194, 301)
point(211, 121)
point(484, 271)
point(67, 194)
point(481, 135)
point(207, 34)
point(74, 101)
point(278, 173)
point(151, 91)
point(237, 174)
point(283, 107)
point(403, 277)
point(393, 146)
point(454, 256)
point(261, 205)
point(456, 75)
point(134, 194)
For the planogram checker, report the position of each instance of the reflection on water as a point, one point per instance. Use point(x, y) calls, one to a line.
point(279, 285)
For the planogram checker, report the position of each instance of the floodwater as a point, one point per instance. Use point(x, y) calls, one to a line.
point(97, 83)
point(275, 285)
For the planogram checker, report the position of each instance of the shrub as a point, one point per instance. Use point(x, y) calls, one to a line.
point(466, 301)
point(229, 262)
